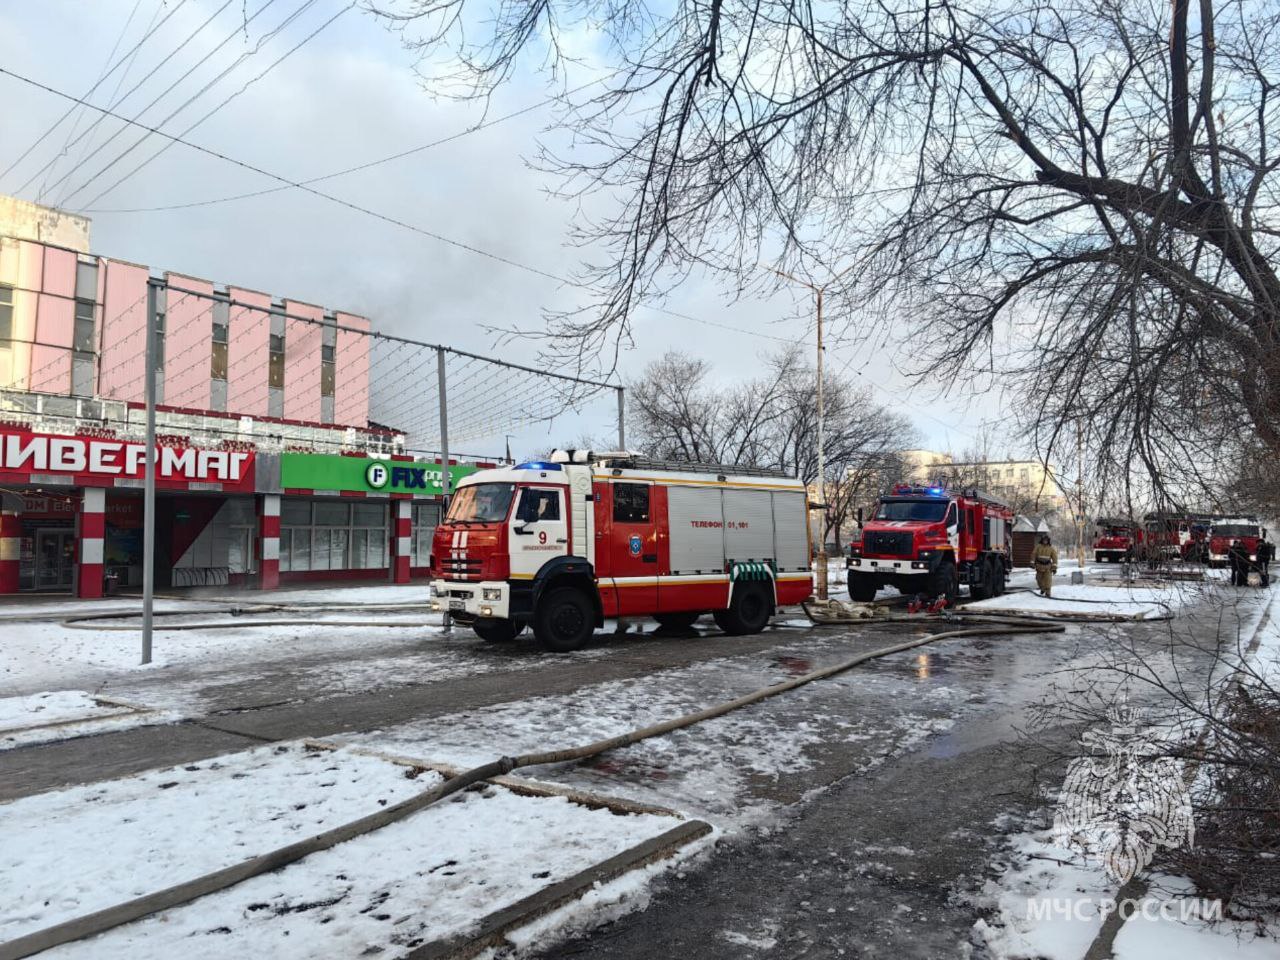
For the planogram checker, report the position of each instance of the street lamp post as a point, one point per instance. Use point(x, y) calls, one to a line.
point(819, 292)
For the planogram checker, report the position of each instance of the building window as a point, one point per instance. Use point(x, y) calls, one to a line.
point(6, 313)
point(84, 340)
point(161, 302)
point(87, 280)
point(275, 362)
point(426, 517)
point(332, 535)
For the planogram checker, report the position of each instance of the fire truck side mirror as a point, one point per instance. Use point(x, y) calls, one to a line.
point(861, 524)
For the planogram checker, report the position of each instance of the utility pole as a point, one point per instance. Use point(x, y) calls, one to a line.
point(441, 385)
point(149, 476)
point(819, 293)
point(1079, 497)
point(622, 416)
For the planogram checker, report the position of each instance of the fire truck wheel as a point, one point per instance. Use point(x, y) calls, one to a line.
point(676, 621)
point(943, 583)
point(748, 611)
point(861, 589)
point(997, 580)
point(497, 631)
point(564, 620)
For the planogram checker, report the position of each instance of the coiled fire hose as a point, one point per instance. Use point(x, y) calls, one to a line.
point(103, 920)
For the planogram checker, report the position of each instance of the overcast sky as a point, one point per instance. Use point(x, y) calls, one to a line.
point(348, 96)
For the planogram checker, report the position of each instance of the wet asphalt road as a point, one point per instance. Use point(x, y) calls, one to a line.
point(877, 840)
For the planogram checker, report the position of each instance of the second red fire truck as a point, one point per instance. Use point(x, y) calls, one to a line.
point(562, 544)
point(930, 540)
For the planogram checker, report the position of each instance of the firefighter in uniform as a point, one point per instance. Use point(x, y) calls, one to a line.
point(1238, 560)
point(1266, 553)
point(1045, 560)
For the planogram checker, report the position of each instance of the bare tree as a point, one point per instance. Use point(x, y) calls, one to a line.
point(1080, 194)
point(771, 421)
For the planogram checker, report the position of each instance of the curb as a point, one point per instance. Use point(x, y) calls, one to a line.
point(491, 931)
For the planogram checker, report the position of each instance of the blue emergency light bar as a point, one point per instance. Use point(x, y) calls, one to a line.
point(537, 465)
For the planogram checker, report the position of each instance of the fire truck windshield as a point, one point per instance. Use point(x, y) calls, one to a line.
point(1234, 530)
point(481, 503)
point(929, 510)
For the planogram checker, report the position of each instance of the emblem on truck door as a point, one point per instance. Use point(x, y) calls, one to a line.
point(635, 544)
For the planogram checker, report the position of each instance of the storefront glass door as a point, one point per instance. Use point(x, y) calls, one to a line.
point(55, 559)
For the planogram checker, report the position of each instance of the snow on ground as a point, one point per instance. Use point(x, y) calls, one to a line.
point(56, 715)
point(1112, 600)
point(427, 877)
point(1160, 928)
point(148, 832)
point(1047, 904)
point(44, 656)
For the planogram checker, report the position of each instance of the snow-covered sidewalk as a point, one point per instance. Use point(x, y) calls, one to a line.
point(1110, 599)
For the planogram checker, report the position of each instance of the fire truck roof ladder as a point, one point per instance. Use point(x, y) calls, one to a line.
point(633, 461)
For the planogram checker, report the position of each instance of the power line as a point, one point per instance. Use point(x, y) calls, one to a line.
point(358, 167)
point(117, 101)
point(66, 143)
point(461, 245)
point(44, 136)
point(306, 5)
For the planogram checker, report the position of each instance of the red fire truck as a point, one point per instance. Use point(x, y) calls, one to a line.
point(1226, 529)
point(930, 540)
point(1118, 540)
point(564, 543)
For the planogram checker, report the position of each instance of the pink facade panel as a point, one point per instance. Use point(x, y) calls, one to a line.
point(122, 364)
point(302, 341)
point(248, 346)
point(55, 321)
point(188, 342)
point(59, 272)
point(351, 359)
point(30, 265)
point(50, 369)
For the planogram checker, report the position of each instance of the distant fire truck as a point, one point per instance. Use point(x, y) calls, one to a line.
point(1224, 530)
point(1119, 540)
point(564, 543)
point(930, 540)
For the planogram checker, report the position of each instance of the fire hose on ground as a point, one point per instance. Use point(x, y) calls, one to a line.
point(103, 920)
point(179, 894)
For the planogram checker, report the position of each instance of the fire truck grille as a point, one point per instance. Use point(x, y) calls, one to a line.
point(888, 543)
point(462, 569)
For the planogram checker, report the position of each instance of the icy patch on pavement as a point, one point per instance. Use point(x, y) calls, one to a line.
point(422, 879)
point(734, 770)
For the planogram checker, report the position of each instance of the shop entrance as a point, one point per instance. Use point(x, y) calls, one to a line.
point(55, 559)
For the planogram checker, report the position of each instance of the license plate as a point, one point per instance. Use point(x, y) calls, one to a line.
point(457, 605)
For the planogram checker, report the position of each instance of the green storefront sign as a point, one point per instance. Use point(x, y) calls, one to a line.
point(319, 471)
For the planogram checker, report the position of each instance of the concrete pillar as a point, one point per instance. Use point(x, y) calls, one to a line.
point(10, 550)
point(268, 541)
point(91, 532)
point(401, 539)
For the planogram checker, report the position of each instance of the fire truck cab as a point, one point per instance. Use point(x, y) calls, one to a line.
point(562, 544)
point(930, 540)
point(1224, 530)
point(1117, 540)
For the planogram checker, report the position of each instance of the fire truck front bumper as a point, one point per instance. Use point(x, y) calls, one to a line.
point(488, 599)
point(905, 566)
